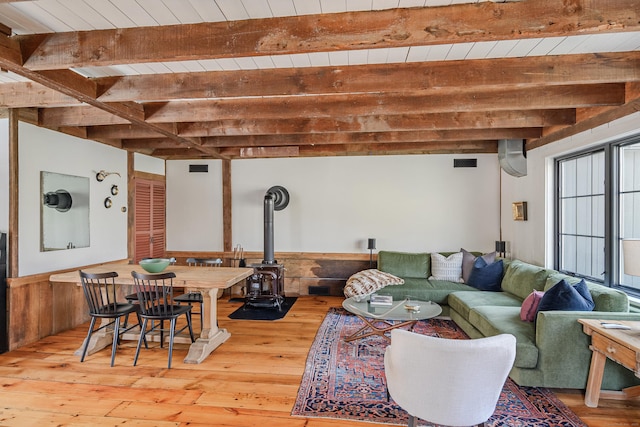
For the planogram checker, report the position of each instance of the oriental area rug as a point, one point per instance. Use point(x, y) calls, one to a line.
point(345, 380)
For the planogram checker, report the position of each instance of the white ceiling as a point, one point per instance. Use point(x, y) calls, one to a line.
point(46, 16)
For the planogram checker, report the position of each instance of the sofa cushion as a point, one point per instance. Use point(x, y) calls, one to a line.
point(405, 264)
point(366, 282)
point(484, 276)
point(425, 290)
point(605, 299)
point(468, 258)
point(495, 320)
point(529, 308)
point(463, 302)
point(521, 278)
point(567, 297)
point(446, 267)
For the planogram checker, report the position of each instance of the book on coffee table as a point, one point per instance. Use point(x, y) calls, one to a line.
point(381, 300)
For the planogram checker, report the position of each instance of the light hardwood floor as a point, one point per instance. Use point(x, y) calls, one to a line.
point(251, 380)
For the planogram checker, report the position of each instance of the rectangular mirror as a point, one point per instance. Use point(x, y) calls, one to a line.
point(64, 211)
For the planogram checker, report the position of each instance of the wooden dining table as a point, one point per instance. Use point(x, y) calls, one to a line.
point(206, 280)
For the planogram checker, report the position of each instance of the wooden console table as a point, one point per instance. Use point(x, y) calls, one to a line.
point(621, 346)
point(206, 280)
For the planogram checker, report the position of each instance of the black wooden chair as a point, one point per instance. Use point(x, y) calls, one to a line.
point(155, 298)
point(100, 293)
point(196, 297)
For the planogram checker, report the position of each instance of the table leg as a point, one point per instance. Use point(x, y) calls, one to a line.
point(99, 340)
point(373, 329)
point(211, 336)
point(594, 382)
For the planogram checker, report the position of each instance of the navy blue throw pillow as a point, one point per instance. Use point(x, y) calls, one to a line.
point(486, 277)
point(563, 296)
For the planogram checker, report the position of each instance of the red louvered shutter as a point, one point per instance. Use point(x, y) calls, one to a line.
point(149, 219)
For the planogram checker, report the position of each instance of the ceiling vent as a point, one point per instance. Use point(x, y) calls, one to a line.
point(512, 156)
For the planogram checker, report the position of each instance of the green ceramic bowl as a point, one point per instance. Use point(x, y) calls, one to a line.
point(154, 265)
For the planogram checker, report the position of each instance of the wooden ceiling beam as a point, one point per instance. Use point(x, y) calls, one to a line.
point(365, 137)
point(536, 98)
point(407, 77)
point(519, 72)
point(464, 23)
point(89, 116)
point(436, 121)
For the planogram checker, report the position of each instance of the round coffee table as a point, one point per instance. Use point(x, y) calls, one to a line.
point(381, 319)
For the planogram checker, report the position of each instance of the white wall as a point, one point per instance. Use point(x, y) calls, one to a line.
point(409, 203)
point(44, 150)
point(532, 240)
point(144, 163)
point(4, 175)
point(194, 206)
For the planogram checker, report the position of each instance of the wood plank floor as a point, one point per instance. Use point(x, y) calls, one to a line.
point(251, 380)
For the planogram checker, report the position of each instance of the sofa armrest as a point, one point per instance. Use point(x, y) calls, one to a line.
point(564, 348)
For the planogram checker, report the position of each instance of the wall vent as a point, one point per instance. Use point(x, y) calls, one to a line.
point(319, 290)
point(199, 168)
point(465, 163)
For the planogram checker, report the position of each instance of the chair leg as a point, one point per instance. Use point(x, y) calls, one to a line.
point(189, 324)
point(142, 334)
point(201, 316)
point(143, 328)
point(172, 331)
point(161, 333)
point(87, 339)
point(116, 338)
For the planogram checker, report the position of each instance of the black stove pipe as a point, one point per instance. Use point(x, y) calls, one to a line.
point(268, 229)
point(276, 199)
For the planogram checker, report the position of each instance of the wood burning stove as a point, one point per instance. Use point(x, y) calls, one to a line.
point(265, 287)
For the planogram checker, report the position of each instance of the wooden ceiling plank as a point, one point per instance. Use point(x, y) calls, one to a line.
point(465, 23)
point(544, 70)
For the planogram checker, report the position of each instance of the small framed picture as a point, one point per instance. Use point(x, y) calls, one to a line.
point(519, 211)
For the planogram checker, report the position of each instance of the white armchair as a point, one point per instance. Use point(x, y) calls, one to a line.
point(445, 381)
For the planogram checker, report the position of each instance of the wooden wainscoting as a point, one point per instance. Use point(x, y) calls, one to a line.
point(306, 273)
point(38, 308)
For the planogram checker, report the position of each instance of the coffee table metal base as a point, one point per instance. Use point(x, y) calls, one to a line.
point(372, 328)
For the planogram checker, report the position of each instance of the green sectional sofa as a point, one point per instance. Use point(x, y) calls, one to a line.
point(550, 352)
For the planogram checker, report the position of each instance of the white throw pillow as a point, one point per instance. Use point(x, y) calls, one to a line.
point(446, 268)
point(366, 282)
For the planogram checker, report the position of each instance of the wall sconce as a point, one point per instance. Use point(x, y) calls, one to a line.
point(371, 245)
point(100, 176)
point(108, 203)
point(114, 190)
point(60, 200)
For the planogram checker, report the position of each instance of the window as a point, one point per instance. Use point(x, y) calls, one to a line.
point(581, 226)
point(629, 199)
point(598, 204)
